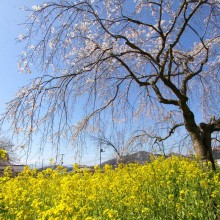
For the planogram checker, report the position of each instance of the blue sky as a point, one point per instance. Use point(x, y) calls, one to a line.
point(11, 80)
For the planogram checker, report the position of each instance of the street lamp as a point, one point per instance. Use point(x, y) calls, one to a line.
point(62, 159)
point(101, 151)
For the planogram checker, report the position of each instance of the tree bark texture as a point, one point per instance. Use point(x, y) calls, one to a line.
point(200, 135)
point(206, 138)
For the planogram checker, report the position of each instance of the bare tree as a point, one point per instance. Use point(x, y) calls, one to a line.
point(7, 145)
point(121, 142)
point(153, 61)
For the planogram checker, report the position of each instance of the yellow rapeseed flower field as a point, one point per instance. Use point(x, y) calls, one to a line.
point(172, 188)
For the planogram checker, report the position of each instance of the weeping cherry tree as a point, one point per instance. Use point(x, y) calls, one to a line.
point(154, 63)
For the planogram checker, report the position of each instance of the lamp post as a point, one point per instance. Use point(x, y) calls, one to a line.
point(62, 159)
point(101, 151)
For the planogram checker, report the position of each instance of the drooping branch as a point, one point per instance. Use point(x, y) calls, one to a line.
point(105, 141)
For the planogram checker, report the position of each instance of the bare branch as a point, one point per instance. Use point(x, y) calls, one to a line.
point(161, 98)
point(215, 125)
point(172, 130)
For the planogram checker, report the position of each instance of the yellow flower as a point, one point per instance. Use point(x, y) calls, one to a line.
point(165, 188)
point(3, 154)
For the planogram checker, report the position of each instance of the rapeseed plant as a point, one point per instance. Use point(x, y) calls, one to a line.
point(3, 154)
point(172, 188)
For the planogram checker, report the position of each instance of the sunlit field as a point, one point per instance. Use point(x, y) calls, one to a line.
point(173, 188)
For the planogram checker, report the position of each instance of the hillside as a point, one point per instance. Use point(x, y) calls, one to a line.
point(144, 156)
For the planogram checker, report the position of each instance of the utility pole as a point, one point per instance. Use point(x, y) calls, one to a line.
point(62, 159)
point(101, 151)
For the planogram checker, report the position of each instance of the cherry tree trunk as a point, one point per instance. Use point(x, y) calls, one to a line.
point(206, 138)
point(200, 135)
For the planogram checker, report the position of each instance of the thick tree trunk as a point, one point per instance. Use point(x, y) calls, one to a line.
point(198, 146)
point(201, 136)
point(202, 145)
point(193, 130)
point(206, 133)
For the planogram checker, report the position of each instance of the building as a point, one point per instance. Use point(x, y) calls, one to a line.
point(16, 168)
